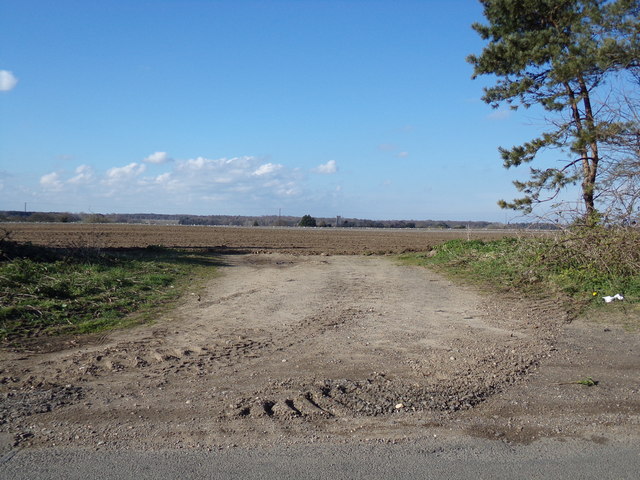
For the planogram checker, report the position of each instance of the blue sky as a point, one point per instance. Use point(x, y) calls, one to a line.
point(356, 108)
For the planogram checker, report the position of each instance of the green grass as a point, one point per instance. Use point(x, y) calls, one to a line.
point(580, 267)
point(46, 292)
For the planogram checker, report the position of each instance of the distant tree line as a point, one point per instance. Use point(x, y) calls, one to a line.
point(57, 217)
point(249, 221)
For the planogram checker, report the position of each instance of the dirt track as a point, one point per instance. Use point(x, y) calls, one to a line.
point(285, 348)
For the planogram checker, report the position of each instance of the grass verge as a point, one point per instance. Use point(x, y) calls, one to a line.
point(46, 291)
point(579, 267)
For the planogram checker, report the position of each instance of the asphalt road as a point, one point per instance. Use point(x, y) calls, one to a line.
point(467, 458)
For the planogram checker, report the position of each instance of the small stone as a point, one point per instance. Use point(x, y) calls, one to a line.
point(399, 406)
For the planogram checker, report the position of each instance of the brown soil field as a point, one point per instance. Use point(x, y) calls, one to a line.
point(307, 241)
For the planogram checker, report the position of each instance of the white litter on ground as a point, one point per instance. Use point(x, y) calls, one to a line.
point(609, 299)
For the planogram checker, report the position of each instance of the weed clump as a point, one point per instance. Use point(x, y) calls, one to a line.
point(46, 291)
point(582, 265)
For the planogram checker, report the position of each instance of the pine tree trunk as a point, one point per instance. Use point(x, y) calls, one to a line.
point(591, 164)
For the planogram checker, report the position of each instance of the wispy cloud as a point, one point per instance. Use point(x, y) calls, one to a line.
point(51, 181)
point(266, 169)
point(7, 80)
point(387, 147)
point(84, 175)
point(327, 168)
point(391, 148)
point(500, 114)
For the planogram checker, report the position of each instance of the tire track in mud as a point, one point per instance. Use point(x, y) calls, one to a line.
point(197, 351)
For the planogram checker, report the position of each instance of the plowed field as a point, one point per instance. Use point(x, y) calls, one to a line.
point(244, 239)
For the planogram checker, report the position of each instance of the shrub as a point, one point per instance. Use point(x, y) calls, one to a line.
point(307, 221)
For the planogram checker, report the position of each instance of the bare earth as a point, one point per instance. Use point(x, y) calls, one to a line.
point(296, 241)
point(296, 349)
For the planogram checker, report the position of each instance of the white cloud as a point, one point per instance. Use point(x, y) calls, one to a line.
point(195, 164)
point(128, 172)
point(327, 168)
point(51, 181)
point(221, 170)
point(267, 168)
point(402, 154)
point(84, 175)
point(7, 80)
point(237, 184)
point(247, 178)
point(290, 189)
point(163, 178)
point(167, 182)
point(158, 158)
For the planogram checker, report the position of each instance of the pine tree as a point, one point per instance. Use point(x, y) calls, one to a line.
point(559, 54)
